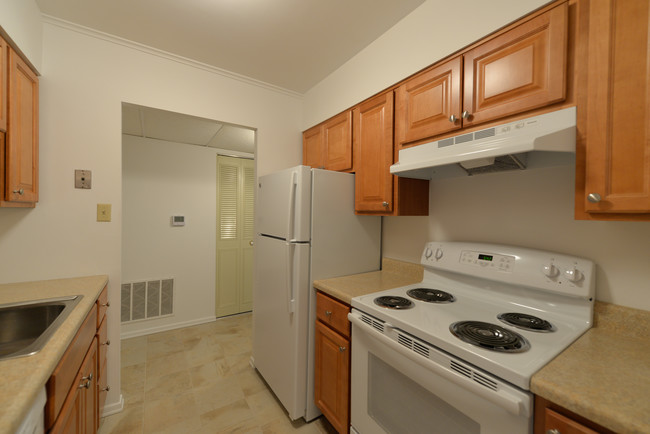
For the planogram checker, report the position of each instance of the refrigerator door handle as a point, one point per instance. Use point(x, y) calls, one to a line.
point(292, 207)
point(290, 298)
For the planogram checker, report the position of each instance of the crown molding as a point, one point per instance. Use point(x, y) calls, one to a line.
point(49, 19)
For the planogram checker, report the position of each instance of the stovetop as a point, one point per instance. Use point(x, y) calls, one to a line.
point(484, 294)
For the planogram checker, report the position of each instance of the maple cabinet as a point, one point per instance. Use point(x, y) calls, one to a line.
point(613, 152)
point(76, 390)
point(332, 361)
point(329, 145)
point(18, 130)
point(521, 69)
point(551, 418)
point(376, 190)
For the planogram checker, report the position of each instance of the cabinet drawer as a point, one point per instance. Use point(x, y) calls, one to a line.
point(333, 313)
point(561, 423)
point(102, 305)
point(64, 374)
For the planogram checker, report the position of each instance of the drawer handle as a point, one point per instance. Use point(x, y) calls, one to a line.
point(108, 342)
point(341, 349)
point(106, 389)
point(553, 431)
point(328, 313)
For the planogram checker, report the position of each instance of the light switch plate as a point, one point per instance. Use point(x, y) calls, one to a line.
point(82, 179)
point(103, 212)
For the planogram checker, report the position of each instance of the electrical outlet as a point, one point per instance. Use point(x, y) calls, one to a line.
point(103, 212)
point(82, 179)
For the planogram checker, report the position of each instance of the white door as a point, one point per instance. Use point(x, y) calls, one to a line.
point(280, 320)
point(235, 233)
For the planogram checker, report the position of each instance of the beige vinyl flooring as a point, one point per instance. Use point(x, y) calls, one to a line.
point(199, 380)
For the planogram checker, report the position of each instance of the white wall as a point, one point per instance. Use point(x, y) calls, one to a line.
point(21, 19)
point(531, 209)
point(85, 80)
point(161, 179)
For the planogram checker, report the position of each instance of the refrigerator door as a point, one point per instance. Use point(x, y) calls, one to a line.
point(280, 320)
point(283, 204)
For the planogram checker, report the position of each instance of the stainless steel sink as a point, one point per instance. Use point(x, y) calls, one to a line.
point(26, 327)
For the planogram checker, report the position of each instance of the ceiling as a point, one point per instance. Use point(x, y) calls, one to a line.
point(292, 44)
point(175, 127)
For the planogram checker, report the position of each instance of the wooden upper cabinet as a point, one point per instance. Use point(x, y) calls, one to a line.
point(337, 142)
point(373, 153)
point(426, 103)
point(613, 161)
point(329, 145)
point(521, 69)
point(312, 147)
point(21, 153)
point(4, 48)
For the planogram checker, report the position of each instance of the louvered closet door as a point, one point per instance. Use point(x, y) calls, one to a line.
point(234, 268)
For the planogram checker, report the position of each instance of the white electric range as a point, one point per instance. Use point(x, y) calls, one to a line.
point(460, 347)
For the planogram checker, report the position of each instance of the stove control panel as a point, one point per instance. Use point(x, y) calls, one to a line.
point(481, 259)
point(541, 270)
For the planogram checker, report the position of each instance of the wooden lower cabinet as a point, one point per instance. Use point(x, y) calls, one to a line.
point(76, 390)
point(613, 149)
point(551, 418)
point(332, 362)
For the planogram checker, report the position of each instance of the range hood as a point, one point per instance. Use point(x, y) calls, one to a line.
point(538, 141)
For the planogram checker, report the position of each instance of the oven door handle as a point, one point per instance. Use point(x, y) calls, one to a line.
point(502, 398)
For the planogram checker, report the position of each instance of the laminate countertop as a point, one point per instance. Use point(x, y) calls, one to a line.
point(603, 376)
point(22, 378)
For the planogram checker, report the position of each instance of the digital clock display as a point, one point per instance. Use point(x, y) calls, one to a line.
point(483, 257)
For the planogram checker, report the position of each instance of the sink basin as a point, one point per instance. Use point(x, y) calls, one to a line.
point(26, 327)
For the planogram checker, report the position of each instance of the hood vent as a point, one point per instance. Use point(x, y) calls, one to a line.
point(539, 141)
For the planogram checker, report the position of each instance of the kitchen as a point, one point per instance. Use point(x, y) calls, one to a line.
point(86, 78)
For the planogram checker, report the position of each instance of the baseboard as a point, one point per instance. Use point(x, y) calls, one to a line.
point(113, 408)
point(166, 327)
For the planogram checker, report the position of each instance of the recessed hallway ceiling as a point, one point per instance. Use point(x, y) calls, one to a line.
point(292, 44)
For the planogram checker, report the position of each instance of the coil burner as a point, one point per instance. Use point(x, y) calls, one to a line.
point(489, 336)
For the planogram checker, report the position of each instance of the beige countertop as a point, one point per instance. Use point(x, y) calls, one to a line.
point(22, 378)
point(394, 274)
point(604, 376)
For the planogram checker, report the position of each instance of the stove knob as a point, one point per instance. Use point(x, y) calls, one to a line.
point(573, 275)
point(550, 270)
point(438, 253)
point(428, 252)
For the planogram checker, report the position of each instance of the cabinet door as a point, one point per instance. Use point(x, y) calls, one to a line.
point(617, 124)
point(522, 69)
point(21, 177)
point(426, 103)
point(332, 377)
point(373, 153)
point(337, 142)
point(312, 147)
point(3, 84)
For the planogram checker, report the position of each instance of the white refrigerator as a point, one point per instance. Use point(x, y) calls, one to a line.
point(306, 231)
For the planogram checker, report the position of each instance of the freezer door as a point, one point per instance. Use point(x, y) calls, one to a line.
point(280, 320)
point(283, 204)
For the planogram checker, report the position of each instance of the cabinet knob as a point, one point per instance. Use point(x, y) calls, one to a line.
point(465, 114)
point(88, 377)
point(20, 192)
point(251, 243)
point(341, 349)
point(85, 385)
point(453, 119)
point(553, 431)
point(384, 204)
point(593, 197)
point(328, 313)
point(107, 304)
point(108, 342)
point(106, 389)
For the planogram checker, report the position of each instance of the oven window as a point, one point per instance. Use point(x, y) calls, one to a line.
point(400, 405)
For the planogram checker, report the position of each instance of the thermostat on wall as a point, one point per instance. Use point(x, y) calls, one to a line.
point(178, 220)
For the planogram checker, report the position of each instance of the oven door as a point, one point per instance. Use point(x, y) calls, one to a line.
point(403, 385)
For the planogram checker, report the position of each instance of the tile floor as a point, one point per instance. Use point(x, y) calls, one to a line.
point(199, 380)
